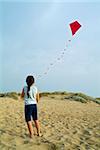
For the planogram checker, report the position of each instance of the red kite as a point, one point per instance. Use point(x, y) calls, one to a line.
point(74, 27)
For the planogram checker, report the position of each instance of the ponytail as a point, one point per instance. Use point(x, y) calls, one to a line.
point(29, 81)
point(28, 89)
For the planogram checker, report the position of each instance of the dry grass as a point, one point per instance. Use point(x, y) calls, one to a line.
point(79, 97)
point(13, 95)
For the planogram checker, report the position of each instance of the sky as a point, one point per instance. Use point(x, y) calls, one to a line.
point(33, 34)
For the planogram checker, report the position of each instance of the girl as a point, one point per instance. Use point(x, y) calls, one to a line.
point(31, 98)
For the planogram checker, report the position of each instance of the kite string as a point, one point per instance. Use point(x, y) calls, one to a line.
point(74, 28)
point(57, 59)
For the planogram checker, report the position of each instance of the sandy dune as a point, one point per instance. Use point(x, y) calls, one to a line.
point(65, 125)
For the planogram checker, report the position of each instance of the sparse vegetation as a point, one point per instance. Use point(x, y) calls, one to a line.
point(98, 98)
point(80, 97)
point(53, 93)
point(13, 95)
point(84, 96)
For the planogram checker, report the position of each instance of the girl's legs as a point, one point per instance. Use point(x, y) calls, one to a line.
point(30, 128)
point(37, 127)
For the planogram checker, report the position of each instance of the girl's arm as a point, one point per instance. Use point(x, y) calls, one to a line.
point(22, 94)
point(37, 97)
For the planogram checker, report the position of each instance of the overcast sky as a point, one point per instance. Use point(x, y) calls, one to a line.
point(33, 34)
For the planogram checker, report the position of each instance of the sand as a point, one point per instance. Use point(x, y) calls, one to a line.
point(65, 125)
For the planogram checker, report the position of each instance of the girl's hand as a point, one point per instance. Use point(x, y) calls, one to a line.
point(37, 97)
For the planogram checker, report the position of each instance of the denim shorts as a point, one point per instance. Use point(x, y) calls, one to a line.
point(31, 112)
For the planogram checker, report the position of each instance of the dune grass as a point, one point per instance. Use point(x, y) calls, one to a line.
point(80, 97)
point(13, 95)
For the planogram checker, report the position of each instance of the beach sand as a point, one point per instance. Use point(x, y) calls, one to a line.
point(65, 125)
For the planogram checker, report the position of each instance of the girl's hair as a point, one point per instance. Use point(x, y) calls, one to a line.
point(29, 80)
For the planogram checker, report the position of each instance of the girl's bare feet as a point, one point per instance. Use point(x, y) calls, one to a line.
point(39, 134)
point(31, 136)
